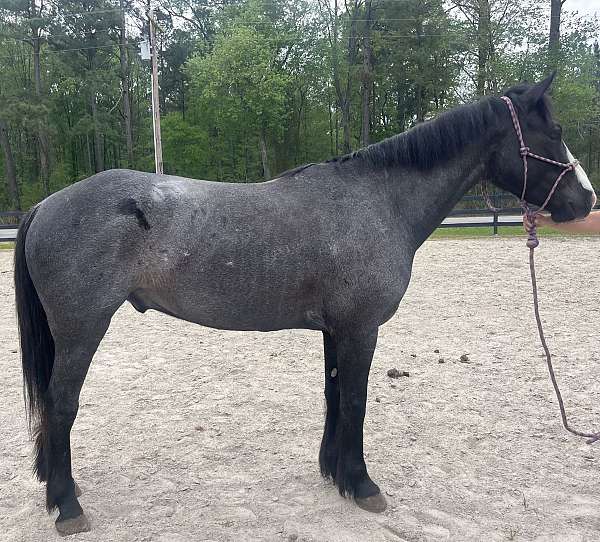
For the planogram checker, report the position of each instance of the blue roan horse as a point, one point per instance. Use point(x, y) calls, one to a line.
point(327, 247)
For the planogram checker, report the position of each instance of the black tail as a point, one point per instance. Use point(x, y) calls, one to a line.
point(37, 348)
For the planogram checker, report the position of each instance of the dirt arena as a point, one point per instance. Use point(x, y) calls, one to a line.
point(191, 434)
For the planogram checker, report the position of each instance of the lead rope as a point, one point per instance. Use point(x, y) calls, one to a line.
point(532, 243)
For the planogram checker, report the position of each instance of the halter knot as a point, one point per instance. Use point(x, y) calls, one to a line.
point(524, 151)
point(532, 238)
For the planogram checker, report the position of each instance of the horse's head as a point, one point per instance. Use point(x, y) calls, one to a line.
point(574, 196)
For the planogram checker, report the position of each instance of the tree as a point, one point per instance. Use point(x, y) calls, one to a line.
point(9, 166)
point(250, 88)
point(85, 31)
point(367, 75)
point(240, 84)
point(126, 101)
point(28, 19)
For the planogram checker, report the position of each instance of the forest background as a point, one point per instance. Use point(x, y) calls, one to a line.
point(250, 88)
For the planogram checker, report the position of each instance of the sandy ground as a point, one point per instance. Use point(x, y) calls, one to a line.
point(191, 434)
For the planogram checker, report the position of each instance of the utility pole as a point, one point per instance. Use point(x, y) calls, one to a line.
point(158, 159)
point(554, 38)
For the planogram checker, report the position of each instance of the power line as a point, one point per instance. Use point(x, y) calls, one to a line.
point(267, 22)
point(60, 51)
point(376, 34)
point(375, 21)
point(93, 12)
point(241, 23)
point(26, 37)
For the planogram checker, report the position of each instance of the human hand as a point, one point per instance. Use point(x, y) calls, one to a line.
point(543, 220)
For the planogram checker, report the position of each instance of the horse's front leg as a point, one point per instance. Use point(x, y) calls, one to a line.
point(354, 350)
point(328, 454)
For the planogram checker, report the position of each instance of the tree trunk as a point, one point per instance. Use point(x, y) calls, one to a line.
point(337, 132)
point(42, 136)
point(125, 88)
point(9, 167)
point(400, 108)
point(483, 45)
point(336, 70)
point(343, 95)
point(297, 144)
point(98, 151)
point(246, 156)
point(367, 79)
point(88, 146)
point(351, 55)
point(264, 156)
point(182, 94)
point(332, 148)
point(554, 38)
point(420, 97)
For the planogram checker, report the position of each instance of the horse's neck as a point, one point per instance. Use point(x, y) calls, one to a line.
point(421, 199)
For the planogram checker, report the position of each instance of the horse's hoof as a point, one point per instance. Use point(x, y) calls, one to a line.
point(77, 490)
point(80, 524)
point(375, 503)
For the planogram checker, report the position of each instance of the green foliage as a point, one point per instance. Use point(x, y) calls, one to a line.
point(243, 75)
point(239, 91)
point(181, 145)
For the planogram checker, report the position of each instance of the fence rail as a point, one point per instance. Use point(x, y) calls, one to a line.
point(477, 218)
point(470, 212)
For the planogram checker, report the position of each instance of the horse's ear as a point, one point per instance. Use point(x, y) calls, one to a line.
point(535, 94)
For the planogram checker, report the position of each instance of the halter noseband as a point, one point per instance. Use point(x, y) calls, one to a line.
point(524, 151)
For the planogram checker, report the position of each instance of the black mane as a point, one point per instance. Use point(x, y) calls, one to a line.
point(432, 141)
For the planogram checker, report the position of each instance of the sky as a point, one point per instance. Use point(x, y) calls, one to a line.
point(585, 7)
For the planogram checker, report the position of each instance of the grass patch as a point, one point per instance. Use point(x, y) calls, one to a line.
point(7, 246)
point(488, 231)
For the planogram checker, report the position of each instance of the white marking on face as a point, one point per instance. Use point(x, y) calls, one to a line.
point(579, 171)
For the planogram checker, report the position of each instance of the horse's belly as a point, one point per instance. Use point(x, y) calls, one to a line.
point(231, 313)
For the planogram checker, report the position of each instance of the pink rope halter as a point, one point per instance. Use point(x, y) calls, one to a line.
point(525, 151)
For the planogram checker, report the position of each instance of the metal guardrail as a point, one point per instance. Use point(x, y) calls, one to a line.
point(9, 223)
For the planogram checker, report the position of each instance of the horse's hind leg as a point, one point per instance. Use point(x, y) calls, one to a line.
point(354, 352)
point(75, 346)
